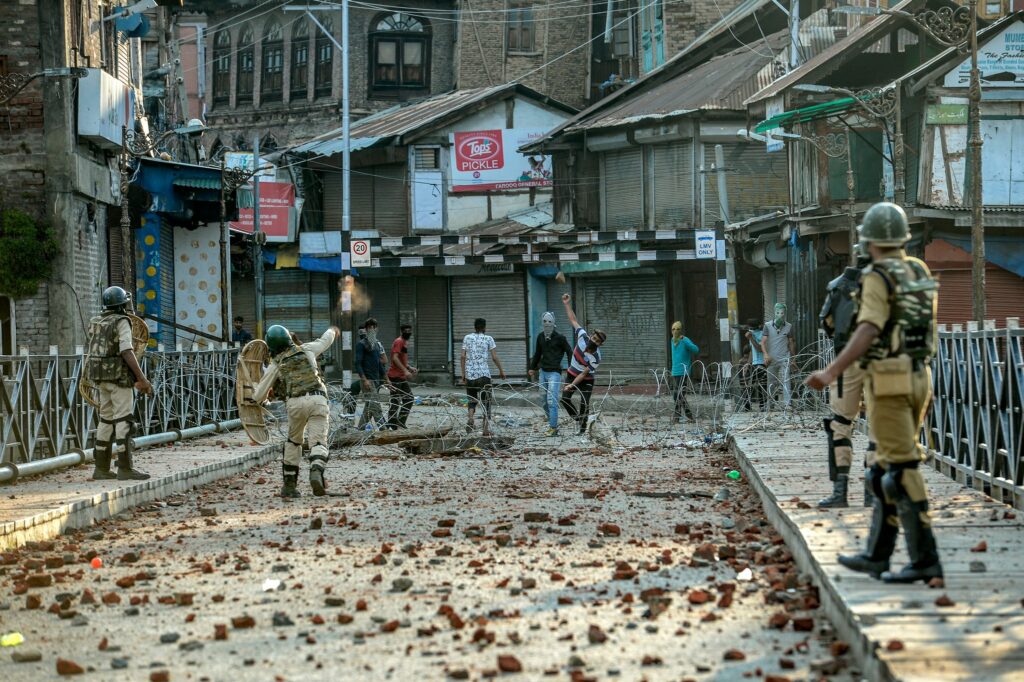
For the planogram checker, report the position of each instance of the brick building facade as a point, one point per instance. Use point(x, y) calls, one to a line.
point(47, 171)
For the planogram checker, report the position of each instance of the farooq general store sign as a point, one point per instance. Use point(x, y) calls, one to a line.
point(488, 160)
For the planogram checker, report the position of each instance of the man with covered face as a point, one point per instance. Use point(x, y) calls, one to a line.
point(779, 348)
point(548, 352)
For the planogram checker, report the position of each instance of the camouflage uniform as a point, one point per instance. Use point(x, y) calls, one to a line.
point(110, 334)
point(295, 377)
point(898, 297)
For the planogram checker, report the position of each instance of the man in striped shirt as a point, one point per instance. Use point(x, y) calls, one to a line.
point(586, 356)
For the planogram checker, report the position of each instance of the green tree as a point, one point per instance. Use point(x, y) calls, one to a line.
point(27, 252)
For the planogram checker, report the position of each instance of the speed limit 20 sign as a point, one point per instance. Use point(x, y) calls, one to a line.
point(360, 249)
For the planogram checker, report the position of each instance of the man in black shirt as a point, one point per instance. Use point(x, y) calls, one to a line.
point(371, 365)
point(551, 347)
point(240, 334)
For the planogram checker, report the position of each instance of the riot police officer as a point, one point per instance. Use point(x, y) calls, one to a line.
point(113, 368)
point(894, 340)
point(837, 318)
point(295, 377)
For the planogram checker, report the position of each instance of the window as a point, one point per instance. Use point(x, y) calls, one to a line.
point(300, 61)
point(324, 75)
point(400, 49)
point(992, 9)
point(222, 68)
point(246, 65)
point(520, 28)
point(273, 63)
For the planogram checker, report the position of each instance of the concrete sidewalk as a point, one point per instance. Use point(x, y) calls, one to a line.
point(43, 507)
point(969, 630)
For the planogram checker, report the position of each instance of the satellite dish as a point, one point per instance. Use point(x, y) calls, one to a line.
point(132, 25)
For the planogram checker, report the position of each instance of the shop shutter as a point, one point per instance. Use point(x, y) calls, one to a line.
point(115, 252)
point(1003, 293)
point(332, 200)
point(361, 190)
point(390, 200)
point(780, 290)
point(381, 304)
point(756, 182)
point(501, 300)
point(299, 300)
point(555, 305)
point(955, 299)
point(673, 185)
point(167, 288)
point(430, 334)
point(631, 310)
point(243, 302)
point(623, 189)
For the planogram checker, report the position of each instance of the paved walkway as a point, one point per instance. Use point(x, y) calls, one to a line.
point(900, 632)
point(42, 507)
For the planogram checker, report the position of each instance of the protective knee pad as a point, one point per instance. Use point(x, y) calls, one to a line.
point(892, 485)
point(873, 478)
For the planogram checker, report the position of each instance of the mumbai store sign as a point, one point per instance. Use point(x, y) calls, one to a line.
point(487, 160)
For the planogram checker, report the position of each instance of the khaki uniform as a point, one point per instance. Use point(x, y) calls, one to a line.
point(846, 408)
point(296, 378)
point(110, 335)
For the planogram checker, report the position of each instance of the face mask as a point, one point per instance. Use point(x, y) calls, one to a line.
point(549, 328)
point(591, 347)
point(406, 336)
point(371, 336)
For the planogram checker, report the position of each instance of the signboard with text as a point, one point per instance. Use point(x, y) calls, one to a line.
point(361, 253)
point(277, 200)
point(705, 244)
point(1000, 61)
point(487, 160)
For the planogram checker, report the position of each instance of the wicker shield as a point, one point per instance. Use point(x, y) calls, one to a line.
point(251, 362)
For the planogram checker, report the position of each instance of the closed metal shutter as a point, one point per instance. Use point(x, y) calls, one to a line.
point(555, 305)
point(243, 302)
point(361, 190)
point(381, 303)
point(780, 289)
point(115, 253)
point(1003, 293)
point(631, 311)
point(756, 182)
point(673, 185)
point(430, 351)
point(623, 189)
point(332, 201)
point(167, 289)
point(390, 200)
point(501, 300)
point(299, 300)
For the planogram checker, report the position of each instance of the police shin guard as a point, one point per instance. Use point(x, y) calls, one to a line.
point(869, 459)
point(125, 466)
point(291, 479)
point(101, 462)
point(826, 423)
point(882, 535)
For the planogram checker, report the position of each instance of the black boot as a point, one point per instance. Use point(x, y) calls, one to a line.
point(101, 463)
point(125, 470)
point(316, 481)
point(291, 479)
point(838, 497)
point(862, 563)
point(881, 542)
point(924, 555)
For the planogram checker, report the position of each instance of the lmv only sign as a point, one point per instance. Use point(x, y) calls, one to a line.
point(705, 244)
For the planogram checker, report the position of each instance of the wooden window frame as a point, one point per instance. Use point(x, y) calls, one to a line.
point(271, 78)
point(521, 31)
point(300, 68)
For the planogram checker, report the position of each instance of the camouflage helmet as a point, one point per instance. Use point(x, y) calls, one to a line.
point(114, 297)
point(278, 339)
point(885, 224)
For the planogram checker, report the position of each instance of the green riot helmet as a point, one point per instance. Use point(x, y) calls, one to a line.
point(885, 224)
point(278, 339)
point(114, 297)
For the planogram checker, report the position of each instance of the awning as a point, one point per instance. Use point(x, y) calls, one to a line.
point(1006, 252)
point(811, 113)
point(198, 183)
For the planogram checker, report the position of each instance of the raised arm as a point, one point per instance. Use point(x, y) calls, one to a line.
point(567, 300)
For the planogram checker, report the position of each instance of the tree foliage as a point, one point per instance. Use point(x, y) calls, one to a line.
point(27, 252)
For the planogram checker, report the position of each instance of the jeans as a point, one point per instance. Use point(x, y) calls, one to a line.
point(680, 385)
point(778, 373)
point(372, 411)
point(551, 386)
point(401, 403)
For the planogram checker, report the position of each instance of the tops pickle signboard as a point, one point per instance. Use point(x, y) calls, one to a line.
point(487, 160)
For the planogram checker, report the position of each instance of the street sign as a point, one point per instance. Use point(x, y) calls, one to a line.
point(705, 244)
point(360, 253)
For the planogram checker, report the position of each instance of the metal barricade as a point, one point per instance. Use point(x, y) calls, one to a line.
point(43, 414)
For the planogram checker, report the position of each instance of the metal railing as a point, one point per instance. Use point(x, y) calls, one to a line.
point(43, 413)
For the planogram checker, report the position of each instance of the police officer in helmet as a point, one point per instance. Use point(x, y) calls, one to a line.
point(838, 318)
point(295, 377)
point(894, 341)
point(113, 368)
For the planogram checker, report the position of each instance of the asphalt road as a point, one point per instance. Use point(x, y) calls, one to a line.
point(554, 558)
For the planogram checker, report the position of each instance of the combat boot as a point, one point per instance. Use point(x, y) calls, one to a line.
point(316, 481)
point(924, 555)
point(290, 475)
point(101, 464)
point(838, 497)
point(863, 563)
point(125, 469)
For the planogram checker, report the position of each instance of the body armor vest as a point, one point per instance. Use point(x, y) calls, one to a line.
point(910, 329)
point(105, 361)
point(839, 313)
point(299, 374)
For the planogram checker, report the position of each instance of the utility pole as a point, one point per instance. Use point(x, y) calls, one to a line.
point(726, 269)
point(257, 236)
point(794, 34)
point(974, 143)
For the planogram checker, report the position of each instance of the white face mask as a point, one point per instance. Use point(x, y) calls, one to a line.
point(371, 336)
point(549, 328)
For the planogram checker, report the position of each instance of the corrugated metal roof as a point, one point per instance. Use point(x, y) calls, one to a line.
point(859, 39)
point(413, 116)
point(722, 82)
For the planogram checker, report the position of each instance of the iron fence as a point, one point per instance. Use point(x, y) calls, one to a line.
point(43, 413)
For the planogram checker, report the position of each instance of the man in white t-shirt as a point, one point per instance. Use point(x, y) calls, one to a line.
point(476, 372)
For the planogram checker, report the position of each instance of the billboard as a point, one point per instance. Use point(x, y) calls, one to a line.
point(277, 200)
point(105, 104)
point(1000, 62)
point(487, 160)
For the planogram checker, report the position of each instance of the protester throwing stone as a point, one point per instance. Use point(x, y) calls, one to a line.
point(586, 357)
